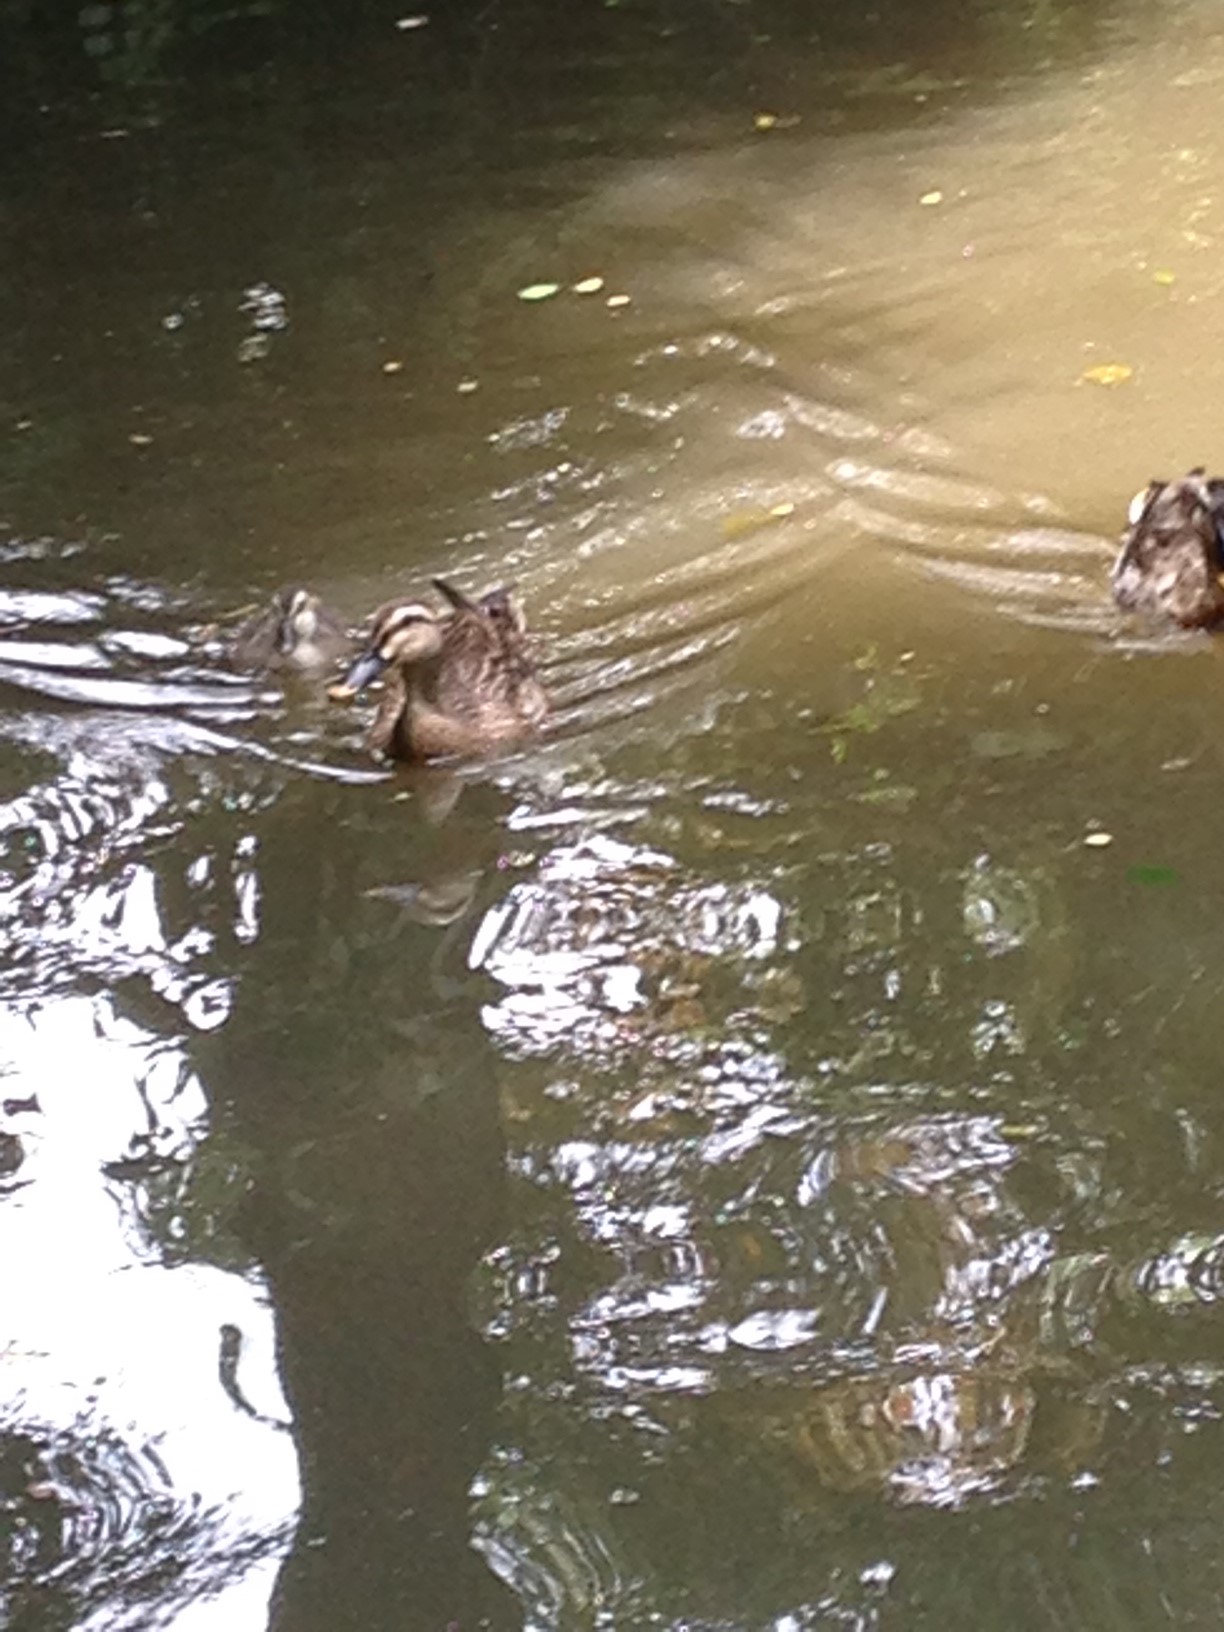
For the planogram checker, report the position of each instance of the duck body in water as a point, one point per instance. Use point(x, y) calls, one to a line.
point(294, 631)
point(459, 684)
point(1172, 553)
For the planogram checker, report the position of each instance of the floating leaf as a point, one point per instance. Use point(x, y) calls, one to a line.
point(1164, 277)
point(588, 286)
point(933, 197)
point(751, 519)
point(741, 522)
point(899, 797)
point(888, 695)
point(1098, 841)
point(1153, 874)
point(538, 291)
point(615, 301)
point(466, 387)
point(775, 121)
point(1107, 374)
point(139, 439)
point(393, 366)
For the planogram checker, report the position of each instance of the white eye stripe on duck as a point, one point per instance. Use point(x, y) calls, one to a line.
point(405, 632)
point(403, 617)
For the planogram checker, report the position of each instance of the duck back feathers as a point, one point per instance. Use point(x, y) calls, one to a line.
point(1171, 555)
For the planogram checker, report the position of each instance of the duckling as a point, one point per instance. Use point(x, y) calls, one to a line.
point(1172, 552)
point(294, 631)
point(459, 683)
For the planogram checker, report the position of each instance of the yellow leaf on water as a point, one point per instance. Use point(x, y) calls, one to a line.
point(1107, 374)
point(615, 301)
point(935, 197)
point(1097, 840)
point(741, 522)
point(588, 286)
point(1164, 277)
point(538, 291)
point(752, 518)
point(765, 121)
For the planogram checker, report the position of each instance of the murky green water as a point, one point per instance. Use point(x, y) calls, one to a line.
point(756, 1161)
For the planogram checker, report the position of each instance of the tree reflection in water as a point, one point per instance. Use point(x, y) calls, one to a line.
point(800, 1212)
point(301, 1109)
point(353, 1071)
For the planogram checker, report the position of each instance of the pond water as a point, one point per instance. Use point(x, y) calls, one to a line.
point(752, 1159)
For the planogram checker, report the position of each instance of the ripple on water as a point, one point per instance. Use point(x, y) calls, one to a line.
point(138, 720)
point(119, 1439)
point(92, 1508)
point(554, 1550)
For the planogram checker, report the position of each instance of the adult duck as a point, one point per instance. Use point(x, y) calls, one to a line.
point(459, 683)
point(1171, 556)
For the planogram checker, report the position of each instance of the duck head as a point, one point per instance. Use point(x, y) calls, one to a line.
point(403, 633)
point(298, 619)
point(295, 630)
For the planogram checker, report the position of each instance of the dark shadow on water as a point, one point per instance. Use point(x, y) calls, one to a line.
point(361, 1080)
point(173, 51)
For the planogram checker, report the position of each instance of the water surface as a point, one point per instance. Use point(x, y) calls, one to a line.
point(751, 1159)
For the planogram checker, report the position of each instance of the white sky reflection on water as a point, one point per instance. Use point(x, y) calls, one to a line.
point(97, 1333)
point(570, 947)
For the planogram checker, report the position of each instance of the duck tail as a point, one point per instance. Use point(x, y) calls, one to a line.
point(456, 597)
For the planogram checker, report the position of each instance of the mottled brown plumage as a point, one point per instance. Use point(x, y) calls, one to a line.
point(1170, 560)
point(459, 684)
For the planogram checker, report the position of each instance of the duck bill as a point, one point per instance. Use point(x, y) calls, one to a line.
point(367, 667)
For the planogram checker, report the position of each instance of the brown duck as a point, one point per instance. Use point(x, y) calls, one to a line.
point(294, 631)
point(1171, 557)
point(459, 683)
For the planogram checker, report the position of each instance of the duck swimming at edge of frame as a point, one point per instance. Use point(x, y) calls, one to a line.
point(1172, 553)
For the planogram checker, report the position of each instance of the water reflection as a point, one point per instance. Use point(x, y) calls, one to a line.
point(749, 1161)
point(251, 1123)
point(134, 1490)
point(363, 1100)
point(737, 1249)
